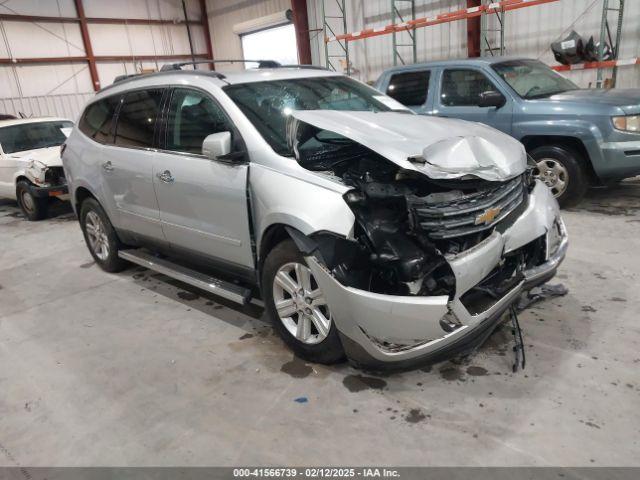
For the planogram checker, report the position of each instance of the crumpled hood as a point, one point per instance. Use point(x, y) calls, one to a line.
point(440, 148)
point(49, 156)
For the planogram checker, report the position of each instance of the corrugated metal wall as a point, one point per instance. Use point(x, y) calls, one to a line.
point(67, 106)
point(529, 32)
point(31, 39)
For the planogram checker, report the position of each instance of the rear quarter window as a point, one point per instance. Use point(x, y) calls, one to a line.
point(97, 120)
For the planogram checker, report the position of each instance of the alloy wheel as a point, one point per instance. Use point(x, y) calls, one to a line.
point(300, 304)
point(96, 233)
point(553, 174)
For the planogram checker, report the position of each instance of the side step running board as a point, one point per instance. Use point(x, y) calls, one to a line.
point(216, 286)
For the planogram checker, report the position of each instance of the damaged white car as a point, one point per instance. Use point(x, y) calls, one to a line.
point(368, 231)
point(30, 165)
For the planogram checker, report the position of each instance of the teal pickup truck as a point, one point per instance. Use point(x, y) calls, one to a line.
point(577, 137)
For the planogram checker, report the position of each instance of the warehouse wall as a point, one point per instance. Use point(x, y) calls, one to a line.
point(225, 14)
point(29, 39)
point(529, 32)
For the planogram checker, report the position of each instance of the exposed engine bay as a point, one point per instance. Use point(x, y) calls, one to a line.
point(407, 224)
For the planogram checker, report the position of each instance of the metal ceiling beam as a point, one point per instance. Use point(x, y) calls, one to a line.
point(99, 20)
point(97, 58)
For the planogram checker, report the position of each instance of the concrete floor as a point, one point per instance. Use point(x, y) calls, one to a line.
point(135, 369)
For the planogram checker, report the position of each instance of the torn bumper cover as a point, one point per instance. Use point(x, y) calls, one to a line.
point(49, 191)
point(388, 330)
point(47, 181)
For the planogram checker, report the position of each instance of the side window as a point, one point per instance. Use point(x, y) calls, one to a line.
point(409, 88)
point(137, 118)
point(192, 117)
point(97, 119)
point(462, 87)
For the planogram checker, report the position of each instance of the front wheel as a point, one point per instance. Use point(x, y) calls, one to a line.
point(560, 169)
point(34, 208)
point(297, 306)
point(100, 236)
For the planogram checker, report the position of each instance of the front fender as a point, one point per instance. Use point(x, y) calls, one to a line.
point(279, 198)
point(587, 132)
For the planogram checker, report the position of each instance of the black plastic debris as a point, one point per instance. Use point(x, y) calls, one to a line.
point(569, 50)
point(539, 294)
point(518, 347)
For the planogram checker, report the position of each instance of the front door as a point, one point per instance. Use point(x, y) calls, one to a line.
point(459, 94)
point(203, 202)
point(8, 167)
point(127, 165)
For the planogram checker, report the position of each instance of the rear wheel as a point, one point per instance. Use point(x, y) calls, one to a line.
point(560, 169)
point(34, 208)
point(297, 306)
point(100, 236)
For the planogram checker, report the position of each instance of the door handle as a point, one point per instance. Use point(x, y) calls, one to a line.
point(107, 166)
point(165, 176)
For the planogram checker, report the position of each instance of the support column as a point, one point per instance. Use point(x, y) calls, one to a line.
point(473, 31)
point(86, 40)
point(204, 19)
point(301, 24)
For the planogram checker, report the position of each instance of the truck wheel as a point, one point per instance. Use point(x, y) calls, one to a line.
point(34, 208)
point(560, 169)
point(100, 237)
point(297, 307)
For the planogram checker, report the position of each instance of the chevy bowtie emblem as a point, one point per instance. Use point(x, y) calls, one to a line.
point(488, 215)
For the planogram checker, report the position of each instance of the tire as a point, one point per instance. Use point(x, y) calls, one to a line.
point(34, 208)
point(561, 163)
point(101, 238)
point(322, 345)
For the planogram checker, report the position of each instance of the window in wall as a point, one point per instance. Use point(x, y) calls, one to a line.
point(137, 118)
point(462, 87)
point(276, 43)
point(409, 88)
point(192, 117)
point(97, 119)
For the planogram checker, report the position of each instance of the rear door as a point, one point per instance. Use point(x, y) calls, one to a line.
point(411, 88)
point(127, 164)
point(458, 96)
point(203, 202)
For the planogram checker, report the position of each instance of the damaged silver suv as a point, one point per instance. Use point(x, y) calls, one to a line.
point(366, 230)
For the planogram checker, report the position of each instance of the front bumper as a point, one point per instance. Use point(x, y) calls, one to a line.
point(621, 160)
point(50, 191)
point(380, 330)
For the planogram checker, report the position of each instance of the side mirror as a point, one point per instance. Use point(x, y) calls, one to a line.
point(491, 99)
point(217, 145)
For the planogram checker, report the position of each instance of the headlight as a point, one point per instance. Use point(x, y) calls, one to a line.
point(627, 124)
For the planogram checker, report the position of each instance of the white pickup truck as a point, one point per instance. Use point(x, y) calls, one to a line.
point(30, 166)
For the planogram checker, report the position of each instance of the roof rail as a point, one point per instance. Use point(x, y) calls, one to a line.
point(120, 78)
point(261, 63)
point(306, 67)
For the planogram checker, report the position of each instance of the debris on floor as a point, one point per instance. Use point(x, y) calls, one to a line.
point(540, 293)
point(301, 400)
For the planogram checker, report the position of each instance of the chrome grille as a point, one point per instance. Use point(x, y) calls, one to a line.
point(459, 217)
